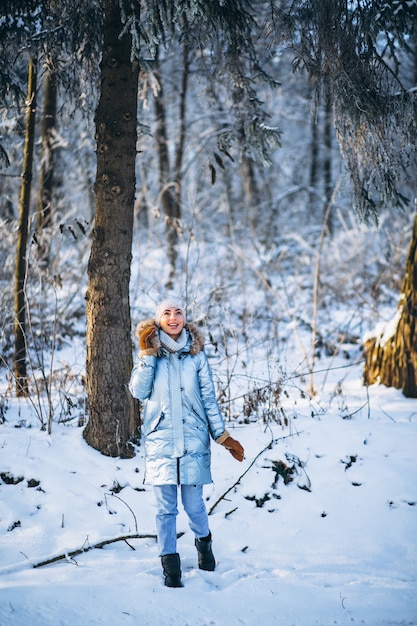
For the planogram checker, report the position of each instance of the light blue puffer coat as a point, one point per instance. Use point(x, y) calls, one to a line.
point(180, 411)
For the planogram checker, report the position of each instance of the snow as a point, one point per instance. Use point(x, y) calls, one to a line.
point(384, 331)
point(336, 545)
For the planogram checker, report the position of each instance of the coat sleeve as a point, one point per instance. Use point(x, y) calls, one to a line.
point(142, 376)
point(208, 396)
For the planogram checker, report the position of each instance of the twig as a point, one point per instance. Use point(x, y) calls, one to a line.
point(296, 375)
point(358, 410)
point(126, 504)
point(268, 447)
point(388, 415)
point(369, 404)
point(271, 290)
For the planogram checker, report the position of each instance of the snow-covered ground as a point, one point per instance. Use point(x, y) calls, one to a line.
point(336, 545)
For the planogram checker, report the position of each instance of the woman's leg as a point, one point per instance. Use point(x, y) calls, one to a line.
point(166, 522)
point(193, 503)
point(192, 499)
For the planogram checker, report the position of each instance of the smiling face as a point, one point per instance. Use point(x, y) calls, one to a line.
point(172, 322)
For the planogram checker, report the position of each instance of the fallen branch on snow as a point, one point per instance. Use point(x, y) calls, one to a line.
point(98, 545)
point(69, 555)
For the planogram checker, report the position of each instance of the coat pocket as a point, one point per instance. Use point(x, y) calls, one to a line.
point(200, 421)
point(153, 424)
point(196, 433)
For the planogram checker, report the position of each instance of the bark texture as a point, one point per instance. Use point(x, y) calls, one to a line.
point(112, 411)
point(392, 361)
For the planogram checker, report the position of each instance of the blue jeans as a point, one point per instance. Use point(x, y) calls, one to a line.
point(167, 511)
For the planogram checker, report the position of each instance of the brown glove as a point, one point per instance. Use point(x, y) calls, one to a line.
point(234, 447)
point(148, 341)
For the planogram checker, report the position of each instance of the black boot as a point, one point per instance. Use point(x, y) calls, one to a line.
point(172, 570)
point(205, 554)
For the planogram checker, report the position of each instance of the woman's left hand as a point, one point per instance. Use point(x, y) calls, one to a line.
point(234, 447)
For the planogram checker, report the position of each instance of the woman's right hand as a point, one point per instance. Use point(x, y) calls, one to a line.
point(148, 341)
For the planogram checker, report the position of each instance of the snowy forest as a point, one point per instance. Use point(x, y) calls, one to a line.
point(257, 160)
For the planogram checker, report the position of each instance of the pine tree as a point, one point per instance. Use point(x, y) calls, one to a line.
point(357, 48)
point(109, 349)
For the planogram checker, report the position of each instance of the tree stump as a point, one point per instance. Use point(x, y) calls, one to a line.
point(391, 355)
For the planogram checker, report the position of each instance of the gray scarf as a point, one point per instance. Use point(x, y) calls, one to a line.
point(170, 344)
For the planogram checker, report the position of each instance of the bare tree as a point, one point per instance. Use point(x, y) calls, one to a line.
point(40, 29)
point(46, 176)
point(20, 369)
point(169, 179)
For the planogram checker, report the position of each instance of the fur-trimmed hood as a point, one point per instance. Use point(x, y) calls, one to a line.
point(196, 335)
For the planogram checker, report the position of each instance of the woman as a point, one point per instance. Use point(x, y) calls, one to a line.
point(173, 378)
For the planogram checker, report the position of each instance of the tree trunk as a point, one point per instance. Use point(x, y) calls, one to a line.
point(170, 206)
point(327, 161)
point(314, 154)
point(44, 211)
point(180, 149)
point(20, 370)
point(112, 411)
point(252, 198)
point(391, 357)
point(170, 179)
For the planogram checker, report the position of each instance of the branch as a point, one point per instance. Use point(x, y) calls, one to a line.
point(98, 545)
point(68, 555)
point(268, 447)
